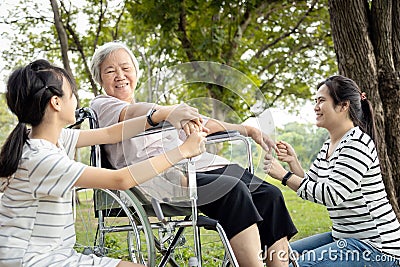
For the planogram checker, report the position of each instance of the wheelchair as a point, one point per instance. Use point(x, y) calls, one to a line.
point(152, 230)
point(135, 226)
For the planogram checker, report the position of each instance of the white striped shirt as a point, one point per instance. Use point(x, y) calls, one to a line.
point(37, 227)
point(349, 184)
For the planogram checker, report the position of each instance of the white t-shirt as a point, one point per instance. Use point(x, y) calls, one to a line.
point(137, 149)
point(108, 109)
point(36, 221)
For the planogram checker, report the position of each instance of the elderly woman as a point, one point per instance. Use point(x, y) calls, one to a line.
point(251, 211)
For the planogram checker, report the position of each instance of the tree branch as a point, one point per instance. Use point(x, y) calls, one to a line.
point(100, 24)
point(186, 44)
point(42, 19)
point(115, 33)
point(244, 23)
point(81, 51)
point(283, 36)
point(62, 36)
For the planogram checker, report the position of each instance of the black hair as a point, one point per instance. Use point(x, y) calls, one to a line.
point(29, 90)
point(343, 89)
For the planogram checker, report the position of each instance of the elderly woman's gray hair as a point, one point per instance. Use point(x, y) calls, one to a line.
point(102, 53)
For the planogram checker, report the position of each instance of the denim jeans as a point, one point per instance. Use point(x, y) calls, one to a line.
point(322, 250)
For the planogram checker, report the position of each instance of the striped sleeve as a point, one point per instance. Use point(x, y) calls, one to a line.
point(69, 138)
point(53, 174)
point(351, 163)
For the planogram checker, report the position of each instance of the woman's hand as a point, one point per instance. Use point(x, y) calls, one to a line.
point(261, 138)
point(194, 145)
point(273, 168)
point(193, 126)
point(181, 114)
point(286, 152)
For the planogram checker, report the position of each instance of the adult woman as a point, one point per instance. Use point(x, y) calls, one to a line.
point(37, 170)
point(223, 187)
point(346, 178)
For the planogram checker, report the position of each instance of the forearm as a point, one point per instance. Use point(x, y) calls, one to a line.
point(145, 170)
point(294, 182)
point(136, 110)
point(127, 129)
point(296, 168)
point(125, 178)
point(217, 126)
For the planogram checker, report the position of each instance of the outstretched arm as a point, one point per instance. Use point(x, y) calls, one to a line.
point(114, 133)
point(133, 124)
point(258, 136)
point(177, 115)
point(140, 172)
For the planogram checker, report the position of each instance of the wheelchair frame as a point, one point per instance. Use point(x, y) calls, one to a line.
point(133, 210)
point(138, 219)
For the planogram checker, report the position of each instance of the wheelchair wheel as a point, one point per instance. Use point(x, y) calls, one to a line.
point(212, 249)
point(113, 224)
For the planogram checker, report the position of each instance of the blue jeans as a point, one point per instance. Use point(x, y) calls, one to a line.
point(322, 250)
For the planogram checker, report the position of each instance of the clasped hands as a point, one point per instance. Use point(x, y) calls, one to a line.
point(185, 117)
point(285, 153)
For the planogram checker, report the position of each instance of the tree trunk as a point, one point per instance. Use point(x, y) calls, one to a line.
point(62, 36)
point(364, 43)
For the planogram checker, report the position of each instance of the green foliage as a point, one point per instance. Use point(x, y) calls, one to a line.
point(306, 139)
point(283, 46)
point(277, 44)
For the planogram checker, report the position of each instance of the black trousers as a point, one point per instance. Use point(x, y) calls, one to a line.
point(238, 199)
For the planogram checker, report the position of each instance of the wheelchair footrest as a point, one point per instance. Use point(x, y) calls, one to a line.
point(207, 223)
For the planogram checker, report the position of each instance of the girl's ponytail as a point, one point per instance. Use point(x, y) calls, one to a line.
point(368, 119)
point(12, 150)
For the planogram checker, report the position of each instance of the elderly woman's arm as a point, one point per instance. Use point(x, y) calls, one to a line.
point(177, 115)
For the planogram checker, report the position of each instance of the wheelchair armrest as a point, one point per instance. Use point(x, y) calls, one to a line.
point(222, 136)
point(162, 126)
point(233, 136)
point(225, 135)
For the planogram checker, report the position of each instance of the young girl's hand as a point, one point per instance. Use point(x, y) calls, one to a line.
point(194, 145)
point(193, 126)
point(285, 152)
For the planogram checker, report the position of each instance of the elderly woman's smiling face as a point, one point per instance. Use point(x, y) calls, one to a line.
point(118, 75)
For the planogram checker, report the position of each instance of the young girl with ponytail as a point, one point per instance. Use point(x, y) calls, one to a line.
point(37, 169)
point(346, 178)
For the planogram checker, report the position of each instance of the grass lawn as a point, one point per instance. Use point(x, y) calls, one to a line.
point(308, 217)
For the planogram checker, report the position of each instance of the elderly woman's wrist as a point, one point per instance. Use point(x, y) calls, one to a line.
point(159, 116)
point(250, 131)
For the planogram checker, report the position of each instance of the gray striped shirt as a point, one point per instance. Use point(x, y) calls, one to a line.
point(37, 227)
